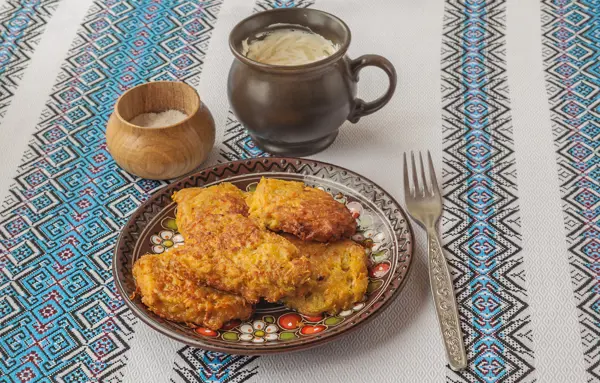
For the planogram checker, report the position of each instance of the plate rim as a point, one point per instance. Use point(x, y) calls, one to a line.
point(310, 342)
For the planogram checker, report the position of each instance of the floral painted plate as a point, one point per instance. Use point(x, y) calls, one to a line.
point(383, 229)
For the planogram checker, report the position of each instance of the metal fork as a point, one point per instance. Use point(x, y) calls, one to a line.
point(424, 203)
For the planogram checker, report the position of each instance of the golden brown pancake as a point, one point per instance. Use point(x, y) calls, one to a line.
point(224, 198)
point(339, 277)
point(173, 292)
point(231, 253)
point(308, 213)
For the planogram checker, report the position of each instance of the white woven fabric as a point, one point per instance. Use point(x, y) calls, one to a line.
point(403, 344)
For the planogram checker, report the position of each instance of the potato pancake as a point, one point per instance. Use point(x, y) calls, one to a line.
point(173, 292)
point(339, 277)
point(231, 253)
point(308, 213)
point(224, 198)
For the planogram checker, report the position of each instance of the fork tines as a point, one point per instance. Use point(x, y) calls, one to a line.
point(424, 189)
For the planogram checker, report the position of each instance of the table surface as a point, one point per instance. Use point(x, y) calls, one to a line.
point(505, 93)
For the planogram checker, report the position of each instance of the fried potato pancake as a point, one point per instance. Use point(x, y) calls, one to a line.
point(339, 277)
point(224, 198)
point(173, 292)
point(308, 213)
point(231, 253)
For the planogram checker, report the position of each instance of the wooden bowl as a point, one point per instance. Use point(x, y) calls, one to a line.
point(165, 152)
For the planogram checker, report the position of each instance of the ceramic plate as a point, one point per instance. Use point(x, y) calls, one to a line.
point(383, 228)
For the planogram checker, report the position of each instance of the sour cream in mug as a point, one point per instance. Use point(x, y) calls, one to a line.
point(288, 46)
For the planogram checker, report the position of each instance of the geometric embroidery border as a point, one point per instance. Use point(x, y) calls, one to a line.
point(481, 220)
point(571, 51)
point(61, 318)
point(21, 24)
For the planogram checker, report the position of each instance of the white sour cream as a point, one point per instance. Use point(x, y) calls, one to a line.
point(288, 46)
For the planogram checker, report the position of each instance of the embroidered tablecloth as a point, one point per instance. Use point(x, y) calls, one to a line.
point(505, 93)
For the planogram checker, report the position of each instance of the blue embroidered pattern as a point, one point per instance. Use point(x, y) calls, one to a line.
point(21, 24)
point(572, 58)
point(60, 316)
point(482, 212)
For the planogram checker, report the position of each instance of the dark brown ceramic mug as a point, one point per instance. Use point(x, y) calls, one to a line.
point(297, 110)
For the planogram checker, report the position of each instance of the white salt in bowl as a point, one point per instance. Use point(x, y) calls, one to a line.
point(160, 119)
point(163, 152)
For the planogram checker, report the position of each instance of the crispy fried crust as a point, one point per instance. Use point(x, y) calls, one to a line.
point(338, 277)
point(308, 213)
point(231, 253)
point(224, 198)
point(171, 291)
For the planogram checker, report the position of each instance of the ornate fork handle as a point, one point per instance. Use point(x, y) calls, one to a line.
point(445, 303)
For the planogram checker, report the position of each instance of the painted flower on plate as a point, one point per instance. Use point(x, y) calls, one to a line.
point(357, 307)
point(258, 332)
point(164, 240)
point(363, 219)
point(370, 238)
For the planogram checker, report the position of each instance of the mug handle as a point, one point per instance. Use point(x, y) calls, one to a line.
point(361, 107)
